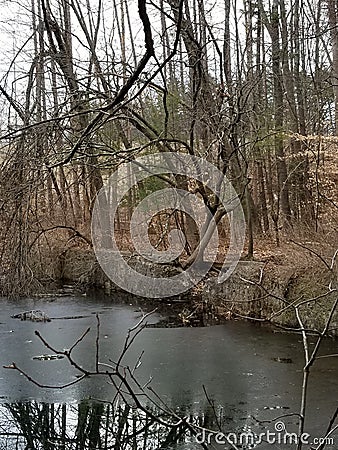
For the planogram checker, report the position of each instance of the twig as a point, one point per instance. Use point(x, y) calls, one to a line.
point(41, 385)
point(313, 252)
point(130, 339)
point(97, 342)
point(212, 404)
point(66, 353)
point(329, 429)
point(333, 260)
point(282, 416)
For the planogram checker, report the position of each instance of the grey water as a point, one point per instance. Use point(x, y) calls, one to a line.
point(248, 375)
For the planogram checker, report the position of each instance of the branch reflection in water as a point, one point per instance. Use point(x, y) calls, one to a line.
point(97, 425)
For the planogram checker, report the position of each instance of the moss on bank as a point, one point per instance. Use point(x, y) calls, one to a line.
point(271, 293)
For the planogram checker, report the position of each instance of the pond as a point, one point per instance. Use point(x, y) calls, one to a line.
point(237, 377)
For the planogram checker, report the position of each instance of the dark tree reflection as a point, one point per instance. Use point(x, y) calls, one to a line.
point(91, 425)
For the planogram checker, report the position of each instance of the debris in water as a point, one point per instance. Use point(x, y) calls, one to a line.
point(34, 315)
point(283, 360)
point(48, 357)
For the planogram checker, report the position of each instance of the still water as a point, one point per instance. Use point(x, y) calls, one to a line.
point(236, 377)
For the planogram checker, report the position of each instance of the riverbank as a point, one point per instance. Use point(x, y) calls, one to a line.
point(273, 288)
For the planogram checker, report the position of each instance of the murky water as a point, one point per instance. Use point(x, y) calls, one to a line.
point(241, 373)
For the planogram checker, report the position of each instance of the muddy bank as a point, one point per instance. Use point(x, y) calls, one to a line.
point(261, 290)
point(268, 292)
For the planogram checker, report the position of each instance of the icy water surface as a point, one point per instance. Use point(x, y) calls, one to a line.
point(239, 373)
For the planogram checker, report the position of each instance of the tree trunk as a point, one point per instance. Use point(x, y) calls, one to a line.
point(333, 16)
point(282, 174)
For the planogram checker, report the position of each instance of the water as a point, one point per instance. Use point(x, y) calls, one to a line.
point(238, 375)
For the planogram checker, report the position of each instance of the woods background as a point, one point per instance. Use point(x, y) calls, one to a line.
point(251, 86)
